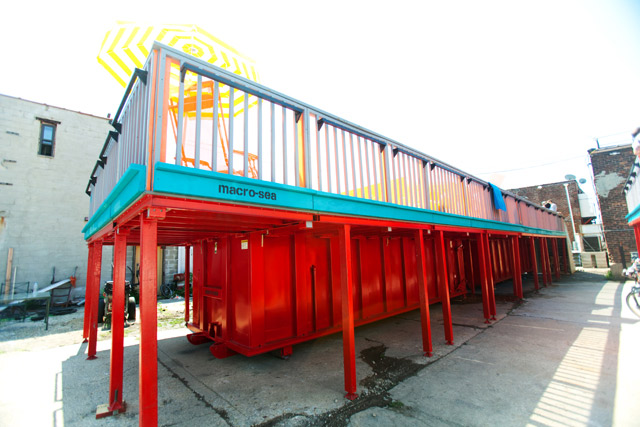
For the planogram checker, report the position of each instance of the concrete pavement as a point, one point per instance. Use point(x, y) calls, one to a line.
point(566, 356)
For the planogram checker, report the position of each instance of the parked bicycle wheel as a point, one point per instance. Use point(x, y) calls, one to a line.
point(167, 291)
point(633, 300)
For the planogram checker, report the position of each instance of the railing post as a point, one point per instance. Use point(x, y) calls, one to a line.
point(161, 104)
point(231, 129)
point(427, 184)
point(196, 160)
point(387, 170)
point(150, 118)
point(180, 131)
point(245, 147)
point(465, 188)
point(306, 133)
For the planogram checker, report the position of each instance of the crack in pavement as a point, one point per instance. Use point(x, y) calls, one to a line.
point(221, 412)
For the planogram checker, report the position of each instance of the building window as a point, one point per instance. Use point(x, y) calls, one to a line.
point(47, 138)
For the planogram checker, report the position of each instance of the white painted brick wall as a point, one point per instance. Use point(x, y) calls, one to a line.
point(42, 213)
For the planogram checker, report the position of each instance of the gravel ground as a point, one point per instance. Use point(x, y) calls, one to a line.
point(66, 329)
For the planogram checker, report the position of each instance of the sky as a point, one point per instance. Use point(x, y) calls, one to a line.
point(513, 92)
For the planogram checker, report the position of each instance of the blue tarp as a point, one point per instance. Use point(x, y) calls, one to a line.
point(498, 199)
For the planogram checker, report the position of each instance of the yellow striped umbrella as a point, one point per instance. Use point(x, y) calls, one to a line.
point(127, 45)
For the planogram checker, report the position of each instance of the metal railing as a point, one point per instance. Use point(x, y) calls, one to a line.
point(127, 144)
point(196, 115)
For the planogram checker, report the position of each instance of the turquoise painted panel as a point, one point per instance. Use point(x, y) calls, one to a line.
point(184, 181)
point(127, 190)
point(343, 205)
point(633, 215)
point(189, 182)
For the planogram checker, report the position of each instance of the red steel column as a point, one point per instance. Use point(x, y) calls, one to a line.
point(490, 287)
point(348, 335)
point(547, 260)
point(443, 282)
point(556, 258)
point(148, 360)
point(187, 282)
point(512, 249)
point(117, 322)
point(543, 263)
point(636, 232)
point(484, 280)
point(425, 320)
point(87, 294)
point(517, 267)
point(94, 301)
point(565, 257)
point(534, 262)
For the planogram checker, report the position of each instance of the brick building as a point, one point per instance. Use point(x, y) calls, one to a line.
point(611, 167)
point(556, 193)
point(46, 154)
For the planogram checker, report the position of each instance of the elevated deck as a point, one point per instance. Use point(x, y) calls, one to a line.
point(323, 163)
point(301, 224)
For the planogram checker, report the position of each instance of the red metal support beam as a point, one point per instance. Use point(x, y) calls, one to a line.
point(565, 257)
point(348, 334)
point(556, 258)
point(517, 267)
point(187, 282)
point(534, 262)
point(546, 261)
point(511, 256)
point(490, 281)
point(116, 403)
point(425, 320)
point(94, 293)
point(148, 360)
point(88, 294)
point(543, 264)
point(443, 283)
point(484, 279)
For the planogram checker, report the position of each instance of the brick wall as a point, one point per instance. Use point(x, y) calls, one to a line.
point(170, 263)
point(557, 194)
point(42, 200)
point(611, 167)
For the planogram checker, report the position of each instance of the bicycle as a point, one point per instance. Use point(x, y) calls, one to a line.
point(633, 297)
point(176, 287)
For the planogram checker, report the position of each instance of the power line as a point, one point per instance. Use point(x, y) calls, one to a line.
point(535, 166)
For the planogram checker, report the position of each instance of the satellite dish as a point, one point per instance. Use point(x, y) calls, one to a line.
point(582, 181)
point(569, 177)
